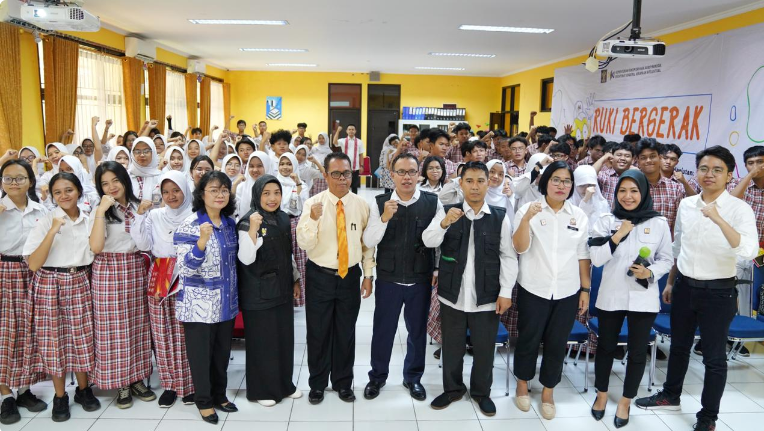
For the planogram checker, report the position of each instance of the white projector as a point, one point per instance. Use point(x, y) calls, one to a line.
point(639, 48)
point(60, 17)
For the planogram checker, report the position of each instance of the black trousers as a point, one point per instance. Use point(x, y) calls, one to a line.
point(331, 312)
point(543, 320)
point(389, 299)
point(712, 310)
point(355, 183)
point(610, 323)
point(483, 327)
point(208, 346)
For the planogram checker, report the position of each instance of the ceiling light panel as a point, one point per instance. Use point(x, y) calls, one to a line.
point(505, 29)
point(454, 54)
point(236, 22)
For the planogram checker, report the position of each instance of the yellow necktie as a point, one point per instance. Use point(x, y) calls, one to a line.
point(342, 241)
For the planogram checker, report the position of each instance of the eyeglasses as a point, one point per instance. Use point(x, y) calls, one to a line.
point(403, 173)
point(141, 152)
point(557, 181)
point(28, 159)
point(89, 146)
point(77, 153)
point(218, 192)
point(703, 170)
point(337, 174)
point(17, 180)
point(234, 165)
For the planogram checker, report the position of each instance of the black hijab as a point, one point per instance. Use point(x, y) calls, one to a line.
point(257, 192)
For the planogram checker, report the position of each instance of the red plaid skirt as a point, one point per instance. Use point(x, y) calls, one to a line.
point(170, 345)
point(301, 258)
point(15, 324)
point(62, 324)
point(121, 316)
point(319, 185)
point(509, 318)
point(433, 319)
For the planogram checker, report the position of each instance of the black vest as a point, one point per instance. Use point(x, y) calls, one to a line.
point(453, 256)
point(268, 282)
point(401, 255)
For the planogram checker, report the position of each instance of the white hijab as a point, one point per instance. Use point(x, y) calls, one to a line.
point(202, 149)
point(112, 156)
point(321, 151)
point(168, 156)
point(495, 195)
point(160, 137)
point(597, 205)
point(226, 159)
point(60, 148)
point(151, 170)
point(88, 188)
point(36, 152)
point(244, 191)
point(287, 184)
point(169, 219)
point(387, 150)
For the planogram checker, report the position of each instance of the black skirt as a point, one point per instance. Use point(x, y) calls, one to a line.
point(269, 336)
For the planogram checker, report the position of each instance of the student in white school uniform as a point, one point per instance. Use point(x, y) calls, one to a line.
point(293, 195)
point(120, 308)
point(354, 149)
point(53, 154)
point(500, 188)
point(20, 210)
point(434, 173)
point(550, 237)
point(310, 169)
point(175, 160)
point(259, 164)
point(90, 198)
point(320, 150)
point(144, 168)
point(120, 155)
point(58, 251)
point(231, 167)
point(587, 194)
point(280, 145)
point(153, 232)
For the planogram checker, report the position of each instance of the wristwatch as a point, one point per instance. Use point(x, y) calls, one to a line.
point(369, 277)
point(585, 289)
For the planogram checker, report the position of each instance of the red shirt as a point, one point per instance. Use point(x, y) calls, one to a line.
point(608, 179)
point(754, 196)
point(666, 196)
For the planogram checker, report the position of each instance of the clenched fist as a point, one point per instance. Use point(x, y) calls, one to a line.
point(255, 221)
point(391, 207)
point(316, 211)
point(144, 207)
point(452, 216)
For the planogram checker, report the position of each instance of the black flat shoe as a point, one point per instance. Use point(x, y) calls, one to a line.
point(620, 423)
point(443, 400)
point(416, 390)
point(211, 419)
point(372, 390)
point(486, 406)
point(597, 414)
point(347, 395)
point(315, 396)
point(228, 407)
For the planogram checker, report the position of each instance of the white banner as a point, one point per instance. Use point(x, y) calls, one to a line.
point(705, 92)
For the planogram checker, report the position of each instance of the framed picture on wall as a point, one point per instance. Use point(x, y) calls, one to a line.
point(273, 108)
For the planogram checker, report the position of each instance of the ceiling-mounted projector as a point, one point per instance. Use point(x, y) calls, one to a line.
point(639, 48)
point(54, 15)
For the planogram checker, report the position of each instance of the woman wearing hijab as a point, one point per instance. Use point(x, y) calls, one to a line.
point(144, 171)
point(499, 187)
point(258, 164)
point(309, 168)
point(587, 195)
point(616, 242)
point(120, 155)
point(160, 143)
point(31, 155)
point(175, 160)
point(53, 154)
point(292, 198)
point(320, 150)
point(195, 148)
point(266, 291)
point(153, 232)
point(385, 157)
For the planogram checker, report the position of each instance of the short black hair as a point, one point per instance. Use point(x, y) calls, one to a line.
point(469, 146)
point(563, 139)
point(442, 164)
point(351, 124)
point(626, 147)
point(671, 148)
point(500, 133)
point(129, 133)
point(518, 138)
point(477, 166)
point(545, 139)
point(68, 177)
point(542, 130)
point(155, 131)
point(462, 126)
point(121, 173)
point(560, 147)
point(754, 151)
point(423, 134)
point(175, 134)
point(481, 134)
point(522, 134)
point(648, 144)
point(413, 126)
point(547, 175)
point(281, 135)
point(335, 156)
point(241, 122)
point(435, 134)
point(305, 125)
point(262, 122)
point(31, 193)
point(224, 181)
point(608, 147)
point(198, 159)
point(245, 141)
point(196, 130)
point(720, 153)
point(596, 140)
point(402, 156)
point(552, 130)
point(634, 137)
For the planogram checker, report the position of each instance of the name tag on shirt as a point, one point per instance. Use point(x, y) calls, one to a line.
point(573, 228)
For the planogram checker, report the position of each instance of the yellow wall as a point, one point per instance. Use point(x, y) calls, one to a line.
point(530, 80)
point(305, 95)
point(32, 132)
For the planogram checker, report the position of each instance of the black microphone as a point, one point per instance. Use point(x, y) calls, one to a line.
point(641, 259)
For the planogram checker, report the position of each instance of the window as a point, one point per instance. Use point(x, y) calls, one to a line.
point(217, 112)
point(175, 101)
point(547, 90)
point(99, 93)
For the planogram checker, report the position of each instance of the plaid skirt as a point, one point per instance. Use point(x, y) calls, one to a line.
point(170, 345)
point(319, 185)
point(509, 318)
point(433, 319)
point(62, 324)
point(121, 317)
point(301, 258)
point(15, 324)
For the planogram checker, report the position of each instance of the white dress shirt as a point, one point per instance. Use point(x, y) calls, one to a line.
point(467, 299)
point(247, 253)
point(701, 250)
point(549, 267)
point(619, 291)
point(71, 246)
point(426, 187)
point(117, 239)
point(354, 149)
point(375, 231)
point(451, 193)
point(16, 224)
point(147, 237)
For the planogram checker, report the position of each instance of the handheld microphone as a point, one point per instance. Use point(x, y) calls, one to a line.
point(644, 253)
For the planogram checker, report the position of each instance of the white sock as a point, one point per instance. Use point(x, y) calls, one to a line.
point(3, 397)
point(23, 389)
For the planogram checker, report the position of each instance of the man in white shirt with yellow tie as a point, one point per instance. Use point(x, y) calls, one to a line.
point(713, 229)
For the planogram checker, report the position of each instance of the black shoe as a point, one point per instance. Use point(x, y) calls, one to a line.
point(619, 353)
point(188, 400)
point(124, 398)
point(31, 402)
point(486, 406)
point(211, 419)
point(436, 354)
point(60, 412)
point(346, 395)
point(620, 423)
point(443, 400)
point(142, 392)
point(597, 414)
point(470, 350)
point(9, 412)
point(416, 390)
point(86, 398)
point(744, 352)
point(167, 399)
point(372, 389)
point(228, 407)
point(315, 396)
point(698, 349)
point(658, 401)
point(659, 355)
point(704, 424)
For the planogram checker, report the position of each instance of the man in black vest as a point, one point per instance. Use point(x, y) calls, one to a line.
point(404, 274)
point(478, 268)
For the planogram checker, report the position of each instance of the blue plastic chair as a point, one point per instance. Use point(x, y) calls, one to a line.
point(744, 329)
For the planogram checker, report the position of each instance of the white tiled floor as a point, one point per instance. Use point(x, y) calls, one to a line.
point(742, 407)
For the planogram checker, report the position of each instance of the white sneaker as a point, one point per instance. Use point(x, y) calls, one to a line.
point(523, 402)
point(267, 403)
point(297, 394)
